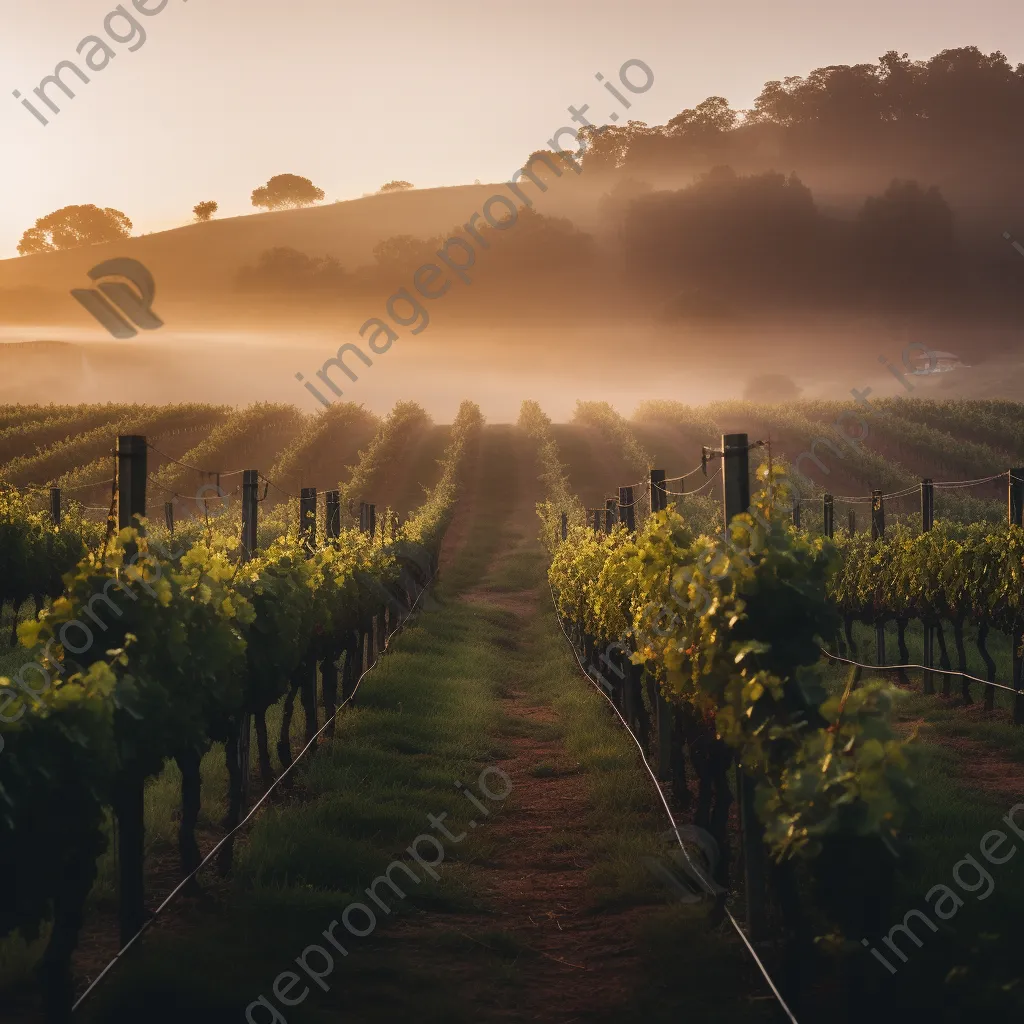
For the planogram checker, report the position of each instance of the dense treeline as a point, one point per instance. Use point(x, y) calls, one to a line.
point(726, 243)
point(723, 244)
point(861, 188)
point(960, 108)
point(762, 242)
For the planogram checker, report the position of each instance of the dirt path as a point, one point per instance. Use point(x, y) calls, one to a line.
point(540, 901)
point(536, 889)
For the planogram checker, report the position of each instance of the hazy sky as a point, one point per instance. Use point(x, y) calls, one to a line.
point(224, 94)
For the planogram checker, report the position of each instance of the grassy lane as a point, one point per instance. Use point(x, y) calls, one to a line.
point(584, 921)
point(543, 909)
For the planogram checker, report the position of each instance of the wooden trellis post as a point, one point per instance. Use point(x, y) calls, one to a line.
point(131, 479)
point(610, 505)
point(55, 505)
point(169, 517)
point(332, 508)
point(828, 512)
point(736, 500)
point(565, 526)
point(877, 515)
point(626, 508)
point(659, 499)
point(250, 506)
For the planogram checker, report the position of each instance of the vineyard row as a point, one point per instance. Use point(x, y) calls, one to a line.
point(151, 654)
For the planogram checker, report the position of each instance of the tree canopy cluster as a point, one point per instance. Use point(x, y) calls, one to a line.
point(760, 241)
point(204, 211)
point(959, 107)
point(73, 226)
point(287, 190)
point(536, 246)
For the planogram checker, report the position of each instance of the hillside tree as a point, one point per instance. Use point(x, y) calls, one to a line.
point(75, 226)
point(205, 210)
point(287, 190)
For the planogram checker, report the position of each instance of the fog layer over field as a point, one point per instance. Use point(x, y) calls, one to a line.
point(554, 362)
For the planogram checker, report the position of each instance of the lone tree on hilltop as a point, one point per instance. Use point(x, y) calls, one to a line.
point(395, 186)
point(74, 226)
point(204, 211)
point(287, 190)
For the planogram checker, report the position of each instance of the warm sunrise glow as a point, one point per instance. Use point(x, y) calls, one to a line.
point(511, 512)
